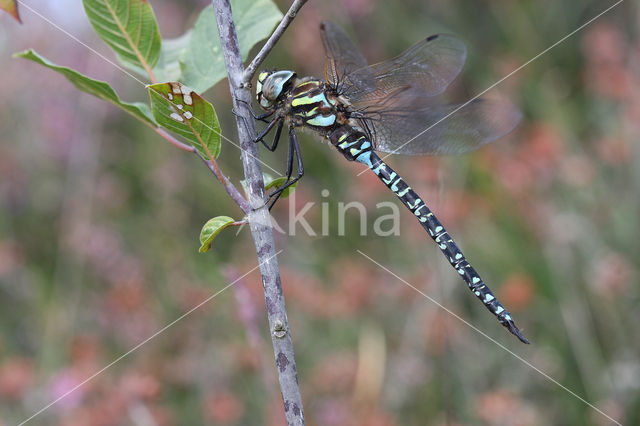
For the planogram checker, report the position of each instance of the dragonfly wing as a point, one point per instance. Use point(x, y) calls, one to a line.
point(442, 129)
point(346, 67)
point(428, 67)
point(397, 100)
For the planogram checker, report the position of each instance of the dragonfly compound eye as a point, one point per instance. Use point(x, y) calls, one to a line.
point(271, 85)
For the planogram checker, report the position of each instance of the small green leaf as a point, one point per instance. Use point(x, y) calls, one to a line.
point(271, 182)
point(11, 7)
point(181, 110)
point(211, 229)
point(129, 27)
point(96, 88)
point(202, 62)
point(277, 183)
point(266, 177)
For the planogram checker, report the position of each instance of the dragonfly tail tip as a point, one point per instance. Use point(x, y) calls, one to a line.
point(516, 332)
point(513, 329)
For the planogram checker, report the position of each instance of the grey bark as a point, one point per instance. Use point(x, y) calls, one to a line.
point(260, 219)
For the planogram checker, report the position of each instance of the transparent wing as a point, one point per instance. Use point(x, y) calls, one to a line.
point(428, 67)
point(346, 67)
point(397, 100)
point(442, 129)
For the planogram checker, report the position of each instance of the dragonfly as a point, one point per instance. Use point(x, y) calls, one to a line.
point(392, 107)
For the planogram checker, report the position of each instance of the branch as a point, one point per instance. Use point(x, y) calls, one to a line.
point(259, 218)
point(213, 166)
point(248, 314)
point(260, 57)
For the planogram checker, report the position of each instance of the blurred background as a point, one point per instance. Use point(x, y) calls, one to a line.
point(99, 224)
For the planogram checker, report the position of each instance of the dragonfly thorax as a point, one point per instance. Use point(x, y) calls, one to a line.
point(271, 86)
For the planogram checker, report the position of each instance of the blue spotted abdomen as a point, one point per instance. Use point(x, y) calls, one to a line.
point(356, 146)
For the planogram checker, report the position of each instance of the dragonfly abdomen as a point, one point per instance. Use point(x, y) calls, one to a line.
point(392, 106)
point(351, 143)
point(356, 146)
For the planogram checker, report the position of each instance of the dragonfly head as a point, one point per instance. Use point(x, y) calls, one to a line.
point(271, 85)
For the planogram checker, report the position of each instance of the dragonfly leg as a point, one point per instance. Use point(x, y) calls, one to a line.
point(266, 130)
point(276, 138)
point(294, 153)
point(261, 117)
point(243, 118)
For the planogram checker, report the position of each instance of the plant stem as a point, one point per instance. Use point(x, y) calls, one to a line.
point(213, 166)
point(248, 314)
point(260, 57)
point(173, 141)
point(260, 219)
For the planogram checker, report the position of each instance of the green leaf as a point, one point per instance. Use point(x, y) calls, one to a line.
point(168, 66)
point(129, 27)
point(96, 88)
point(11, 7)
point(211, 229)
point(271, 182)
point(202, 62)
point(181, 110)
point(277, 183)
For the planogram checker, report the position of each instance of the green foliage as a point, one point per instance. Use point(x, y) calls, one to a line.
point(202, 62)
point(271, 182)
point(548, 216)
point(168, 68)
point(96, 88)
point(129, 27)
point(195, 58)
point(181, 110)
point(277, 183)
point(211, 229)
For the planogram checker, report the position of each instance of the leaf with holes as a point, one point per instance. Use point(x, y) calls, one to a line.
point(202, 62)
point(11, 7)
point(96, 88)
point(211, 229)
point(181, 110)
point(129, 27)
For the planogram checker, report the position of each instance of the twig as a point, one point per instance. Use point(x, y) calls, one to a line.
point(213, 166)
point(273, 39)
point(259, 219)
point(248, 315)
point(173, 141)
